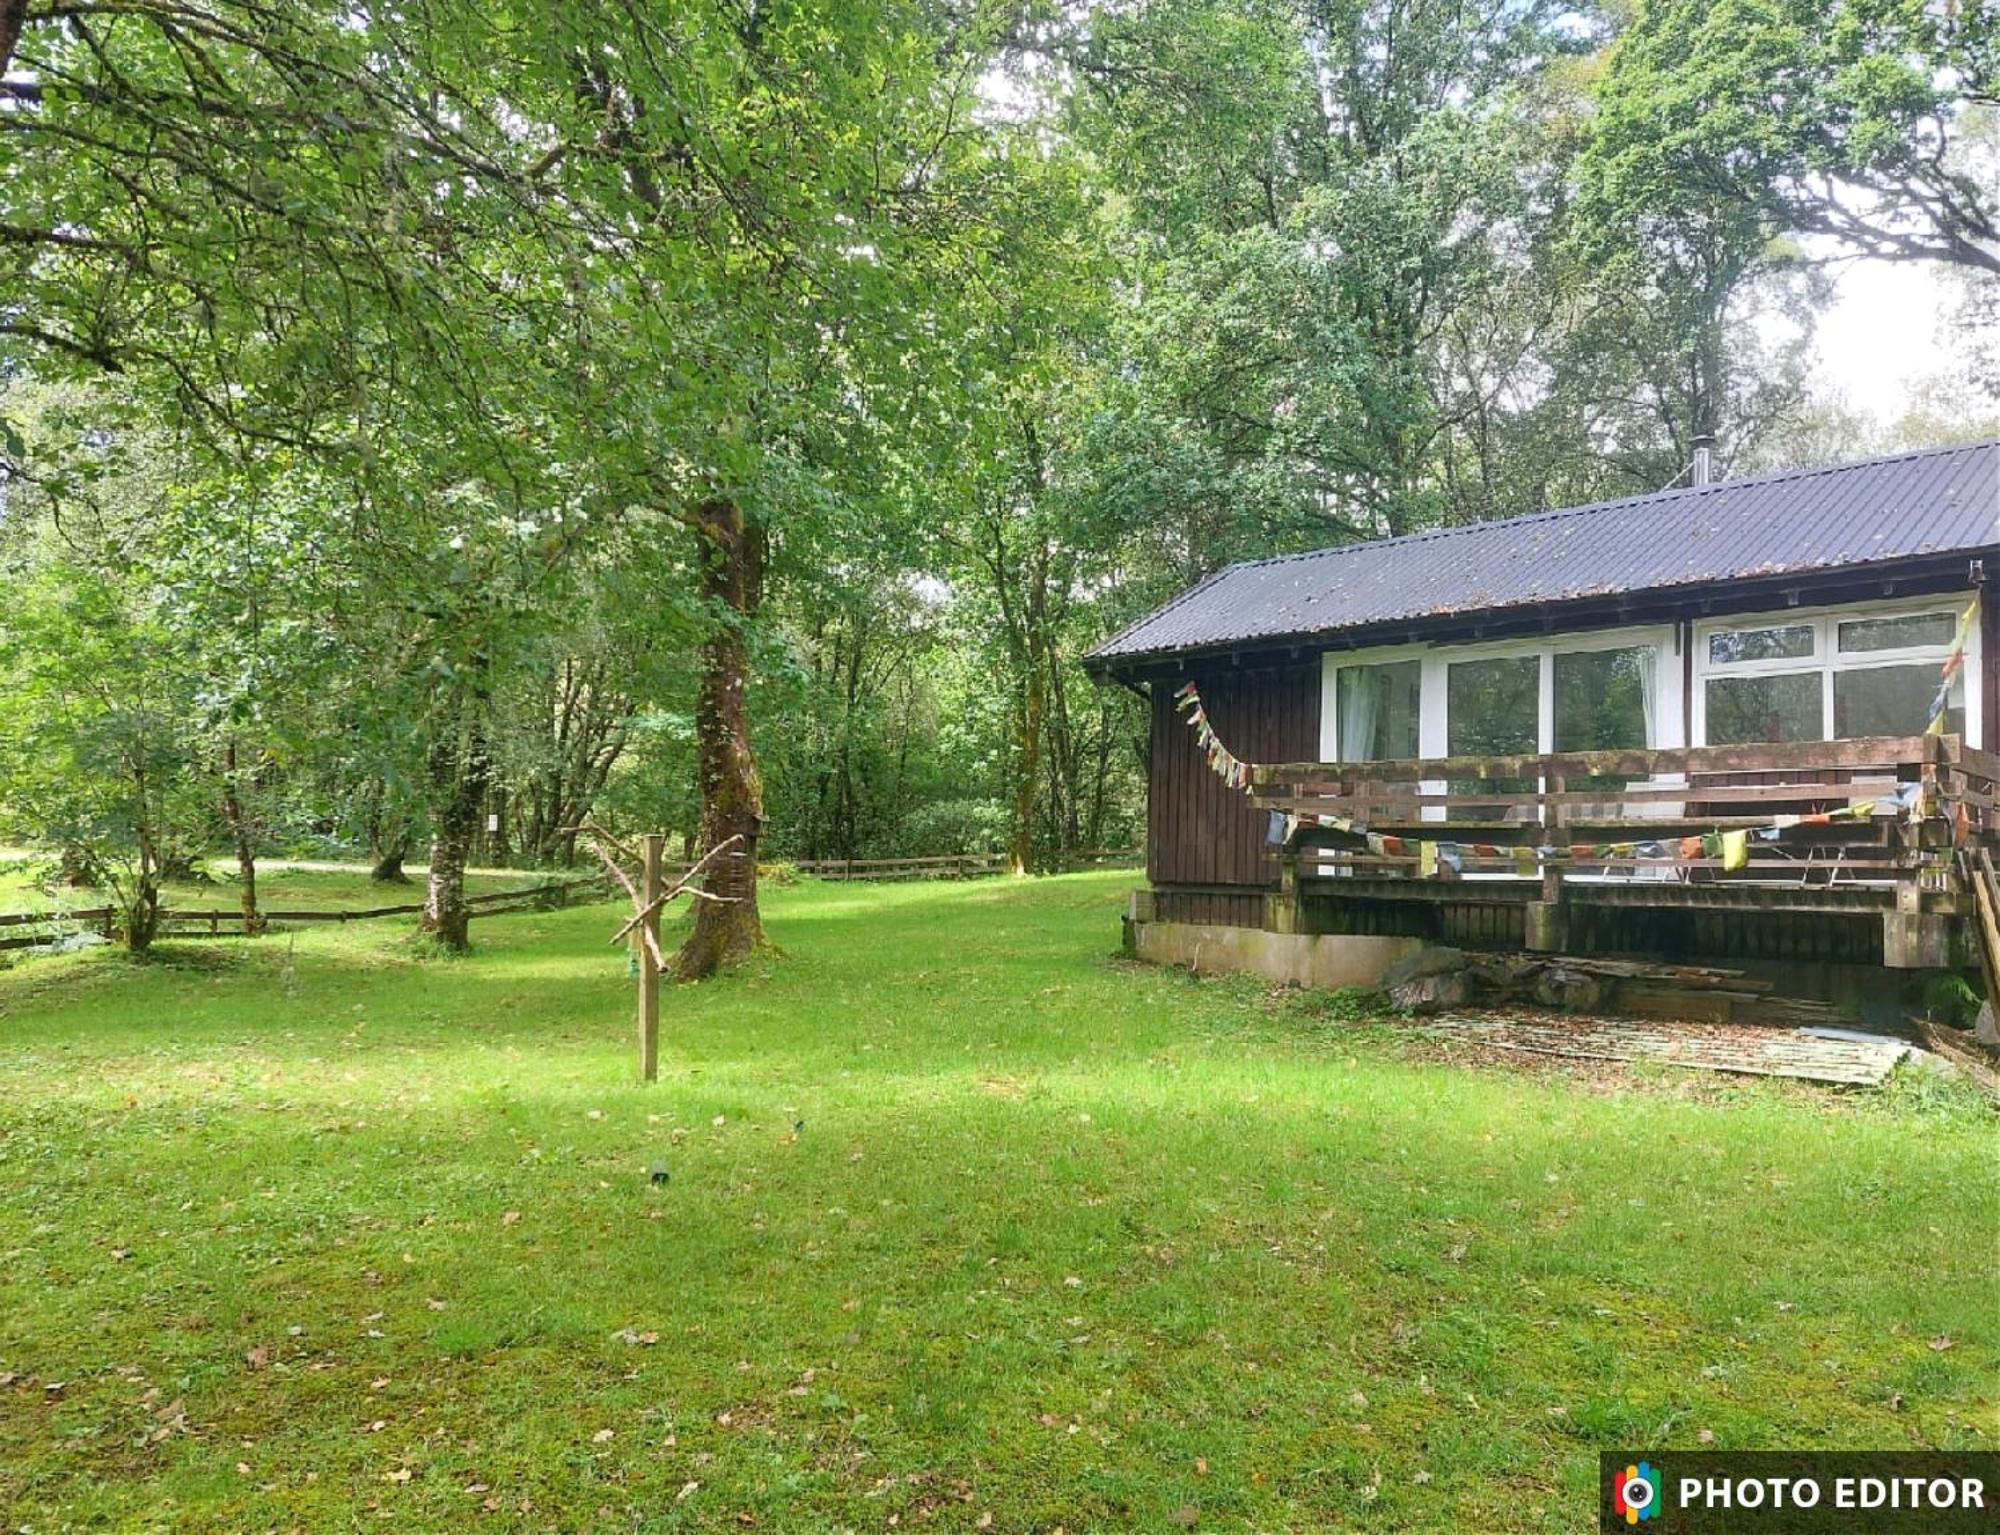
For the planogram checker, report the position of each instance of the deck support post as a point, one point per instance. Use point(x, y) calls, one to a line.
point(1913, 939)
point(1547, 922)
point(1143, 908)
point(1546, 927)
point(1281, 906)
point(1916, 940)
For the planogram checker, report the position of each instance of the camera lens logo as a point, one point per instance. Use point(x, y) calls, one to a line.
point(1636, 1494)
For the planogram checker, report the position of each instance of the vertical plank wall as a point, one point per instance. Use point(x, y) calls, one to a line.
point(1199, 832)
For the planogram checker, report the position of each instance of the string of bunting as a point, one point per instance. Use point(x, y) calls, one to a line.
point(1732, 848)
point(1953, 665)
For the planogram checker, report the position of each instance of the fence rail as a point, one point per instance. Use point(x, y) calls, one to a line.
point(227, 921)
point(952, 865)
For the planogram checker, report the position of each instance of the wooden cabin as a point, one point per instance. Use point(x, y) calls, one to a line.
point(1697, 726)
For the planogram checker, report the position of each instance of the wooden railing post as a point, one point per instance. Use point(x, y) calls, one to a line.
point(1281, 906)
point(1544, 923)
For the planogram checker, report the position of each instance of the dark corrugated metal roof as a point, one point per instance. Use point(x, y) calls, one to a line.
point(1938, 501)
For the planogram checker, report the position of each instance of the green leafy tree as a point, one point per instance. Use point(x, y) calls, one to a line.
point(1838, 118)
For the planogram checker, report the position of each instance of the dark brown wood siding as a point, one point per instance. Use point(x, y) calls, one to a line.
point(1199, 832)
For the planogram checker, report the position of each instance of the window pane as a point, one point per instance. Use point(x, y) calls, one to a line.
point(1782, 708)
point(1781, 644)
point(1893, 701)
point(1603, 698)
point(1378, 711)
point(1604, 703)
point(1862, 634)
point(1493, 709)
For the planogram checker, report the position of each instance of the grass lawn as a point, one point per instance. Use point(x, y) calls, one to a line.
point(969, 1226)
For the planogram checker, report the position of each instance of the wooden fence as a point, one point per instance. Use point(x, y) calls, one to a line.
point(227, 921)
point(952, 865)
point(94, 919)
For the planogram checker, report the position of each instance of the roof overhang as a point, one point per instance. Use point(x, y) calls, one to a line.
point(1905, 577)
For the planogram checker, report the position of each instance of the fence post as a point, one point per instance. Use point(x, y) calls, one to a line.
point(649, 972)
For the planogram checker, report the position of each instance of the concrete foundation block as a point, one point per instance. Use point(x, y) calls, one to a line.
point(1301, 959)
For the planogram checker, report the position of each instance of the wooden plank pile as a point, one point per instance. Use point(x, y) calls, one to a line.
point(1852, 1062)
point(1437, 979)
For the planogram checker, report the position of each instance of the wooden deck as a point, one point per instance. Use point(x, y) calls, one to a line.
point(1881, 830)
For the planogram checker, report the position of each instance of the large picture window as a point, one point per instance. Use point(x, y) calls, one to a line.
point(1586, 692)
point(1379, 711)
point(1834, 676)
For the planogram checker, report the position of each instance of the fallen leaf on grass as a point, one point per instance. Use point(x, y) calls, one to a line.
point(604, 1435)
point(510, 1218)
point(1940, 1344)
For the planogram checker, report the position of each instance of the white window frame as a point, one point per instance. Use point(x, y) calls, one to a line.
point(1827, 657)
point(1433, 727)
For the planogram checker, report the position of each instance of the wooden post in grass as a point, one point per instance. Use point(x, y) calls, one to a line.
point(649, 973)
point(650, 894)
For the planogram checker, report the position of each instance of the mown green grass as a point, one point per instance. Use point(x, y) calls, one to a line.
point(314, 1232)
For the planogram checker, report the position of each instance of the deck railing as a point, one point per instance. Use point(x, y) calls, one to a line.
point(1645, 814)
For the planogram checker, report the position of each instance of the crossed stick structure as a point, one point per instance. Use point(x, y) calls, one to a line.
point(650, 896)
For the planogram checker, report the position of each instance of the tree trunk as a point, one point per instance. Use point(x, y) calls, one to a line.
point(1027, 764)
point(13, 17)
point(497, 847)
point(141, 917)
point(388, 868)
point(732, 793)
point(239, 835)
point(458, 789)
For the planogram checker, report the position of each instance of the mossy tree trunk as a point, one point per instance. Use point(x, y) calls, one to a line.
point(240, 836)
point(139, 918)
point(732, 791)
point(457, 773)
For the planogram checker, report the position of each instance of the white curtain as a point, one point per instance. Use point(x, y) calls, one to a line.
point(1360, 694)
point(1649, 692)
